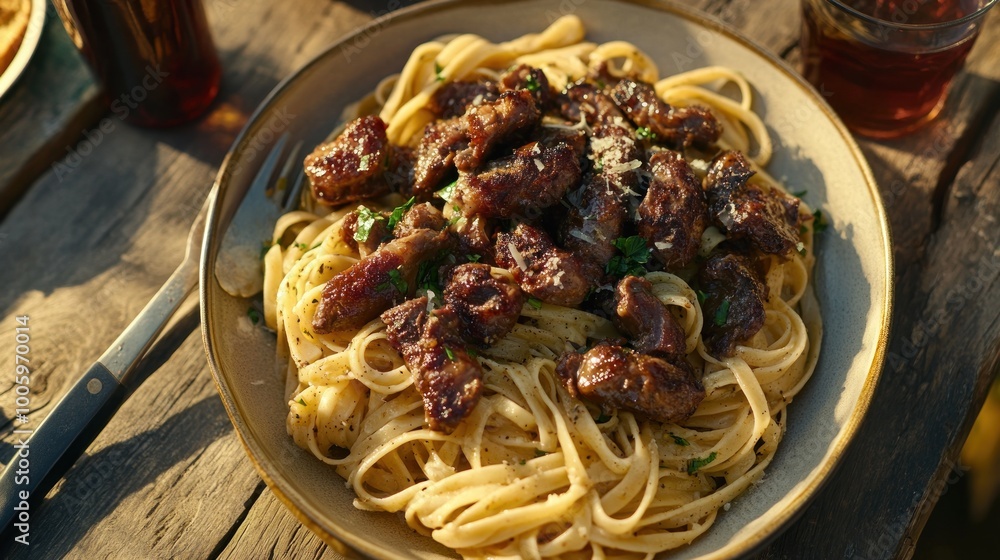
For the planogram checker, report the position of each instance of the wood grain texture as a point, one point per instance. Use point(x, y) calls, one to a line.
point(83, 251)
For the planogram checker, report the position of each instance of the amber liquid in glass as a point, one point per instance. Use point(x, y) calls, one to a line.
point(155, 58)
point(876, 91)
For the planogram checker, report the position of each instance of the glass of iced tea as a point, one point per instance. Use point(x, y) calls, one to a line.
point(885, 65)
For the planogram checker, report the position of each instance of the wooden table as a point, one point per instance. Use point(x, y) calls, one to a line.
point(87, 238)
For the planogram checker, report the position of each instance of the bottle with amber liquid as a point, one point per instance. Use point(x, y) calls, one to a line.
point(155, 58)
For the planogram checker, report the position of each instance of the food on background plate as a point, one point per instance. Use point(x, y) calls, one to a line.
point(13, 25)
point(543, 302)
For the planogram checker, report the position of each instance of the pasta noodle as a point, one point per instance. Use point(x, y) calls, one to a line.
point(534, 472)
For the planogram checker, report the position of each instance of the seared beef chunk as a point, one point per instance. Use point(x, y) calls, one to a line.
point(595, 219)
point(621, 378)
point(351, 167)
point(448, 379)
point(519, 185)
point(452, 99)
point(673, 214)
point(767, 217)
point(549, 137)
point(377, 233)
point(375, 283)
point(436, 154)
point(473, 236)
point(399, 170)
point(531, 79)
point(585, 100)
point(677, 127)
point(495, 123)
point(549, 273)
point(649, 324)
point(487, 307)
point(734, 308)
point(421, 216)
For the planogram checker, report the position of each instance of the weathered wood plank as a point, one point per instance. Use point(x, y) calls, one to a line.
point(40, 116)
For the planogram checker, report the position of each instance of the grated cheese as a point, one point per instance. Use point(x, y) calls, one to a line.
point(539, 164)
point(663, 245)
point(580, 235)
point(517, 256)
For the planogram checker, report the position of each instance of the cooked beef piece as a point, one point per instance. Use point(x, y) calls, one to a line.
point(586, 100)
point(448, 379)
point(420, 216)
point(525, 77)
point(375, 283)
point(351, 167)
point(454, 98)
point(767, 217)
point(487, 307)
point(474, 236)
point(647, 322)
point(618, 377)
point(677, 127)
point(734, 306)
point(550, 137)
point(399, 170)
point(595, 219)
point(519, 185)
point(616, 156)
point(493, 124)
point(377, 233)
point(435, 155)
point(673, 214)
point(550, 274)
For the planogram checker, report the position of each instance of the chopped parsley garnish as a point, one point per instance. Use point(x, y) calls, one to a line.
point(634, 255)
point(602, 418)
point(427, 276)
point(447, 192)
point(540, 453)
point(472, 257)
point(395, 280)
point(644, 133)
point(523, 462)
point(449, 353)
point(532, 84)
point(302, 246)
point(437, 72)
point(702, 296)
point(254, 315)
point(366, 219)
point(695, 464)
point(819, 221)
point(535, 302)
point(722, 313)
point(397, 213)
point(680, 441)
point(302, 401)
point(472, 352)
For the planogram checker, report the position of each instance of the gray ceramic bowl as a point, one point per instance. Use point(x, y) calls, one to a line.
point(813, 151)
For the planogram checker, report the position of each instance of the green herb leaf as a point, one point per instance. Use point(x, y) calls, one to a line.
point(535, 302)
point(540, 453)
point(602, 418)
point(472, 352)
point(722, 313)
point(302, 246)
point(644, 133)
point(447, 192)
point(397, 213)
point(397, 281)
point(449, 353)
point(366, 219)
point(523, 462)
point(437, 72)
point(532, 84)
point(265, 246)
point(799, 194)
point(695, 464)
point(680, 441)
point(634, 255)
point(302, 401)
point(702, 296)
point(254, 315)
point(819, 221)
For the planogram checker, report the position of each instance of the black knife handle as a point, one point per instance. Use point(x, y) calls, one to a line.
point(43, 455)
